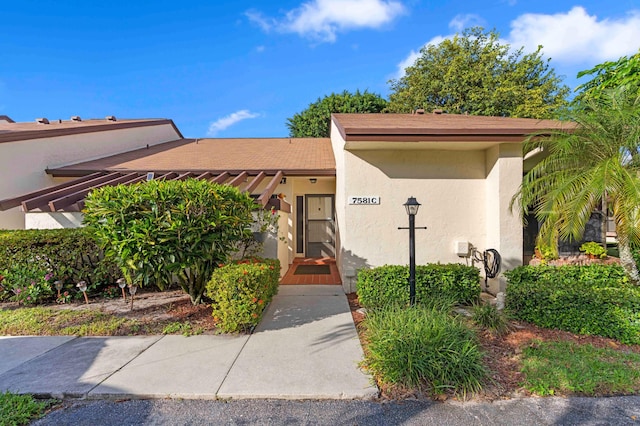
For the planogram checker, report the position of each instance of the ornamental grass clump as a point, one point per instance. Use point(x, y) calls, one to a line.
point(488, 317)
point(423, 347)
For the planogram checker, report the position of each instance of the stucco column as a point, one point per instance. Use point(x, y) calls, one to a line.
point(504, 228)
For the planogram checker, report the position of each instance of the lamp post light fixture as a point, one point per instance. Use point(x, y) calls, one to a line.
point(58, 285)
point(82, 286)
point(412, 205)
point(132, 291)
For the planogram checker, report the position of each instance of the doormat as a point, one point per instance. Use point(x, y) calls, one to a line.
point(312, 270)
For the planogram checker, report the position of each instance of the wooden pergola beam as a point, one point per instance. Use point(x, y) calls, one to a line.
point(221, 178)
point(43, 200)
point(239, 179)
point(254, 183)
point(263, 199)
point(17, 201)
point(67, 200)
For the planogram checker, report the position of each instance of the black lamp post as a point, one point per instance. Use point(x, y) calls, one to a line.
point(412, 205)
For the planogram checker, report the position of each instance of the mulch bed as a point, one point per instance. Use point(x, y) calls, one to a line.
point(502, 356)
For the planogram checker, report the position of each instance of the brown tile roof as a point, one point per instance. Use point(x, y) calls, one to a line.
point(296, 156)
point(11, 131)
point(412, 127)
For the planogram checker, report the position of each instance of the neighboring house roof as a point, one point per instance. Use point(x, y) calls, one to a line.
point(6, 119)
point(293, 156)
point(439, 127)
point(11, 131)
point(244, 163)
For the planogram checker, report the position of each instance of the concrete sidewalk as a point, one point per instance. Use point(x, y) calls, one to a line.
point(306, 347)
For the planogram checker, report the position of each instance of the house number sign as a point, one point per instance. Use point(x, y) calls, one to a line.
point(364, 199)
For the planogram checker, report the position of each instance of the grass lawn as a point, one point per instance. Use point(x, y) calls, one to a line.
point(20, 409)
point(566, 367)
point(174, 318)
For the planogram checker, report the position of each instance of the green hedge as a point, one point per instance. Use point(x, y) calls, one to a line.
point(70, 255)
point(389, 284)
point(594, 299)
point(241, 291)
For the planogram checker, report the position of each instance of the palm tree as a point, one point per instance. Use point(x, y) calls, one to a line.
point(591, 165)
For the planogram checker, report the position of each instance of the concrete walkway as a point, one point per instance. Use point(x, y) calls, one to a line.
point(306, 347)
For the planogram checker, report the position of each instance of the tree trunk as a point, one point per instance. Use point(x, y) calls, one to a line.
point(627, 261)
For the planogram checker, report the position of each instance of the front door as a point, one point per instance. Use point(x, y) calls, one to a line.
point(320, 226)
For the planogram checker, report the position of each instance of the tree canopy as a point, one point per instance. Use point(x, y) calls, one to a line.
point(474, 73)
point(625, 72)
point(315, 121)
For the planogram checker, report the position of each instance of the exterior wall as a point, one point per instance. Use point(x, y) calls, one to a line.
point(23, 163)
point(464, 194)
point(504, 228)
point(52, 220)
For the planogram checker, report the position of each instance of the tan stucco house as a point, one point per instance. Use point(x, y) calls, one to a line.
point(338, 197)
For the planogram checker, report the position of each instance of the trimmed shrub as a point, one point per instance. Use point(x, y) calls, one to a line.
point(240, 292)
point(69, 255)
point(421, 346)
point(595, 299)
point(389, 284)
point(158, 231)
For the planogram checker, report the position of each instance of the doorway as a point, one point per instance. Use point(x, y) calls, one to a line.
point(320, 226)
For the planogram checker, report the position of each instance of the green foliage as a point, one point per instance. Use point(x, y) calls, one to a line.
point(595, 299)
point(546, 252)
point(594, 249)
point(160, 230)
point(623, 73)
point(17, 410)
point(389, 284)
point(474, 73)
point(69, 255)
point(552, 368)
point(264, 222)
point(184, 328)
point(315, 121)
point(241, 291)
point(422, 346)
point(597, 160)
point(488, 317)
point(26, 284)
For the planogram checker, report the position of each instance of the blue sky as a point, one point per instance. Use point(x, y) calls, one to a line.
point(241, 68)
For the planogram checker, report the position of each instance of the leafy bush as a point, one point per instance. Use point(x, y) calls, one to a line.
point(241, 291)
point(389, 284)
point(160, 230)
point(69, 255)
point(28, 285)
point(594, 299)
point(423, 346)
point(594, 249)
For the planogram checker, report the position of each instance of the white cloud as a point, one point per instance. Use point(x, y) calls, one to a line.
point(460, 22)
point(414, 55)
point(323, 19)
point(229, 120)
point(257, 18)
point(571, 37)
point(576, 36)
